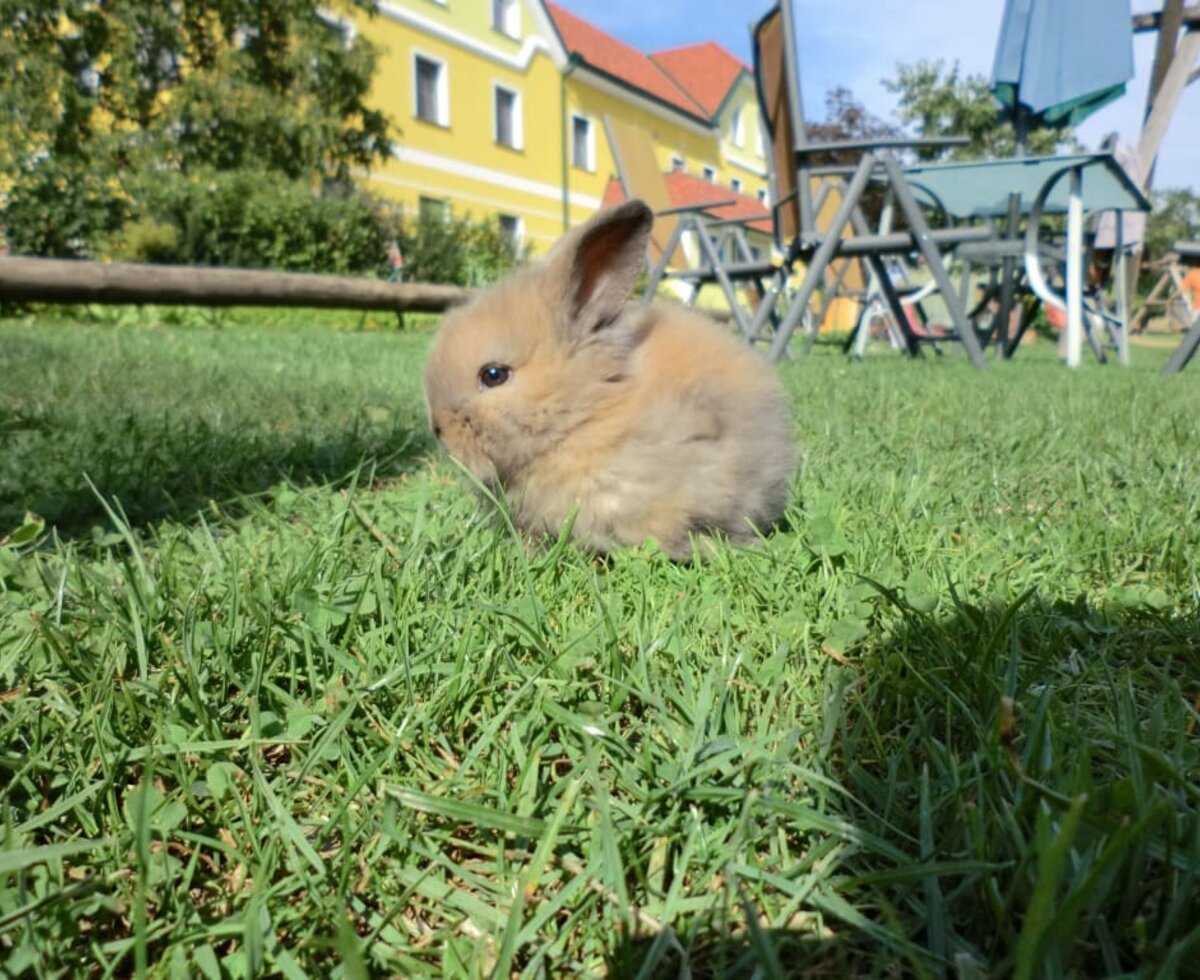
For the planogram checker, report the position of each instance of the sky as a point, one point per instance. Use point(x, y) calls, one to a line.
point(859, 45)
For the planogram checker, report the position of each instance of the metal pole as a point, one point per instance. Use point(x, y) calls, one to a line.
point(830, 240)
point(1122, 293)
point(920, 233)
point(1075, 269)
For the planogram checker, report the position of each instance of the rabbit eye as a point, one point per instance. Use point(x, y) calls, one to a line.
point(494, 375)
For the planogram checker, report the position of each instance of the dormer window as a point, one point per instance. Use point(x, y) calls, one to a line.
point(737, 127)
point(506, 17)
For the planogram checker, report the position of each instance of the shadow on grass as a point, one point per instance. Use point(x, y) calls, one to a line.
point(164, 420)
point(1021, 795)
point(171, 469)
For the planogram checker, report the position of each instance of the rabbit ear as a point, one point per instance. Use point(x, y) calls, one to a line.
point(595, 267)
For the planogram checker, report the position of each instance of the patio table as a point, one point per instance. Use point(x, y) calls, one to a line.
point(1033, 187)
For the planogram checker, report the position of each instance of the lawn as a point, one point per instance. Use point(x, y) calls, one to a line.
point(278, 696)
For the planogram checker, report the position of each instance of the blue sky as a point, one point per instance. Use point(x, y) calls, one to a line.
point(858, 45)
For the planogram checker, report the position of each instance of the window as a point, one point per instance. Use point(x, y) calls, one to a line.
point(506, 17)
point(511, 230)
point(677, 163)
point(583, 143)
point(509, 128)
point(341, 28)
point(736, 184)
point(709, 174)
point(431, 208)
point(737, 127)
point(431, 89)
point(762, 196)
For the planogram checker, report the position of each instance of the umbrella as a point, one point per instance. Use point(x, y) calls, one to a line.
point(1058, 61)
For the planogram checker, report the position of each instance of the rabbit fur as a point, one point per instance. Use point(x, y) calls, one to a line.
point(640, 421)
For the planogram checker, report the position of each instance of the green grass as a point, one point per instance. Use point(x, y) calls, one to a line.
point(279, 696)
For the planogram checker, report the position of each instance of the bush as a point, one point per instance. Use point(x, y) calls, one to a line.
point(242, 218)
point(146, 240)
point(461, 251)
point(61, 209)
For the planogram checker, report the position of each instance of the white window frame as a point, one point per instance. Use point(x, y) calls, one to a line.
point(678, 162)
point(512, 14)
point(735, 185)
point(709, 173)
point(518, 230)
point(518, 117)
point(590, 163)
point(429, 202)
point(762, 196)
point(442, 89)
point(343, 25)
point(737, 127)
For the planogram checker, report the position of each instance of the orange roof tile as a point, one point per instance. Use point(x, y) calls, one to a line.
point(705, 71)
point(606, 54)
point(687, 190)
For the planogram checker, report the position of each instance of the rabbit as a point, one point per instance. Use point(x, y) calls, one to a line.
point(641, 421)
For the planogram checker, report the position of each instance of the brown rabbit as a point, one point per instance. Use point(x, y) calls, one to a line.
point(642, 421)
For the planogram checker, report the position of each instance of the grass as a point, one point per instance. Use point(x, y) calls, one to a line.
point(278, 696)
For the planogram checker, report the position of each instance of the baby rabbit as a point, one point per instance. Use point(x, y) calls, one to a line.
point(642, 421)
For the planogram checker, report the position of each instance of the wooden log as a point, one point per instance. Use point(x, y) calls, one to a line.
point(77, 281)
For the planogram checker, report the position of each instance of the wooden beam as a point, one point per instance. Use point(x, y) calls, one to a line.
point(1144, 23)
point(1165, 100)
point(71, 281)
point(1169, 24)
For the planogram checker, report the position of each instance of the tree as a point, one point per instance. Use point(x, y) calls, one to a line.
point(1175, 217)
point(97, 96)
point(940, 101)
point(846, 119)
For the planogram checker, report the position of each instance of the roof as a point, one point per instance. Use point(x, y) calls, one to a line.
point(623, 62)
point(705, 71)
point(687, 190)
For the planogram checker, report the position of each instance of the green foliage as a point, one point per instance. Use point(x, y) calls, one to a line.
point(60, 206)
point(1175, 218)
point(146, 240)
point(943, 724)
point(100, 96)
point(242, 218)
point(448, 248)
point(236, 218)
point(940, 101)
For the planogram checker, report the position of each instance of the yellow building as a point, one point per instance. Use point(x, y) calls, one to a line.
point(500, 109)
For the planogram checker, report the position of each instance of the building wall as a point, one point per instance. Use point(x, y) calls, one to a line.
point(462, 164)
point(671, 133)
point(743, 160)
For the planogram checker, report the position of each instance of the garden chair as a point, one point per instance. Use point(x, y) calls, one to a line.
point(798, 182)
point(1191, 341)
point(724, 257)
